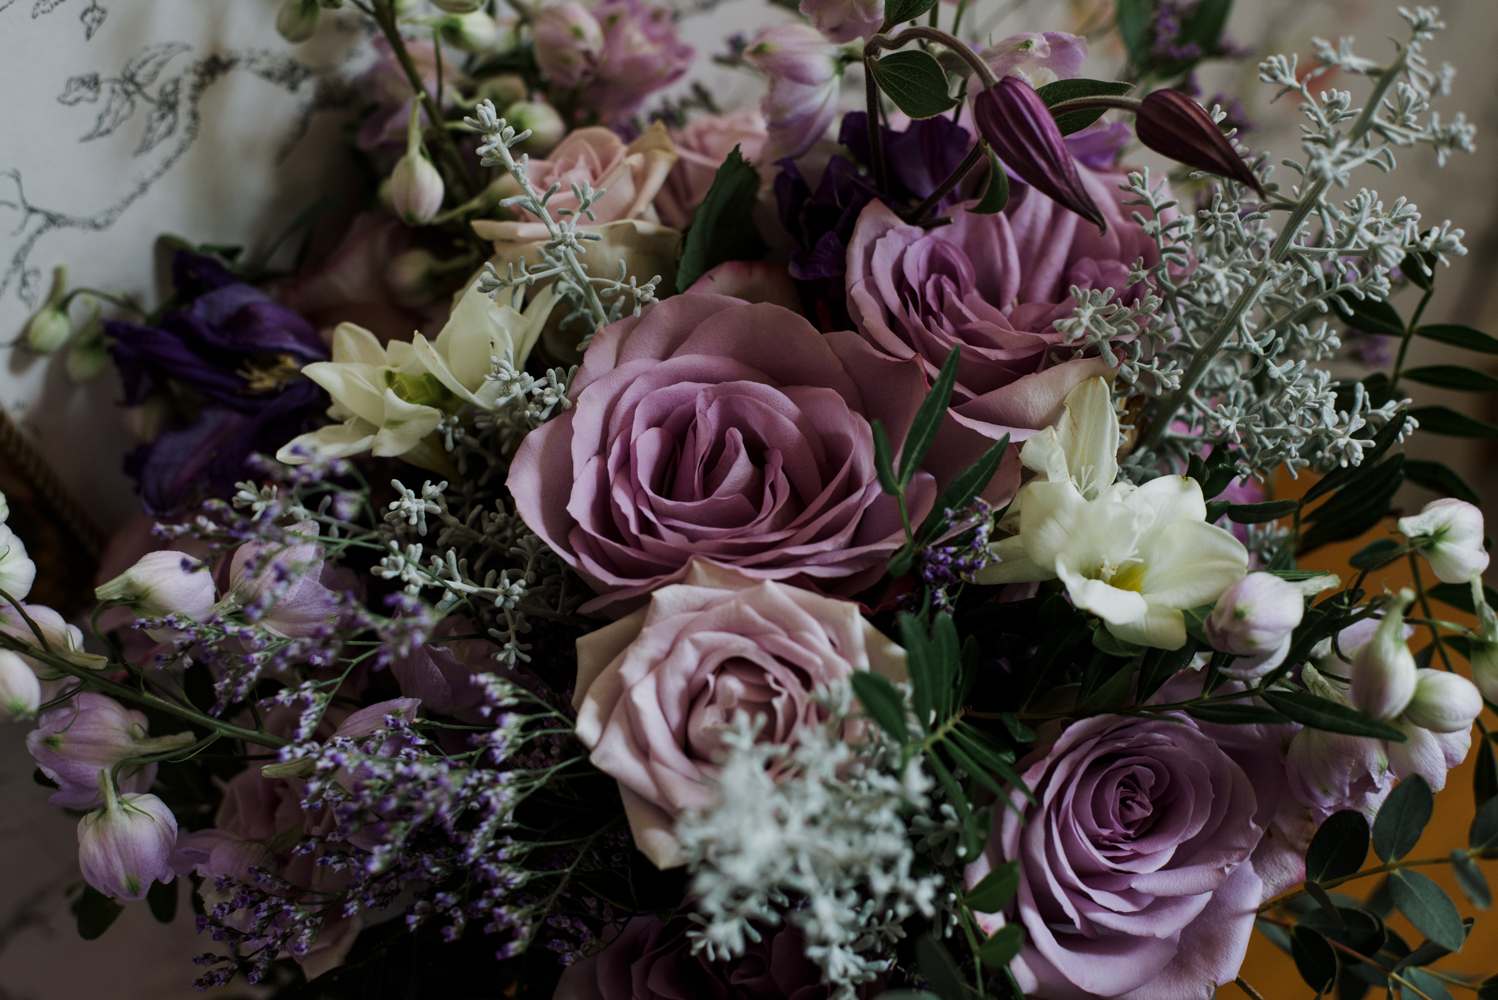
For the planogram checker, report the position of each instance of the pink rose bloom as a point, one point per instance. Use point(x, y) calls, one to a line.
point(694, 433)
point(845, 20)
point(701, 148)
point(641, 54)
point(996, 285)
point(629, 174)
point(752, 281)
point(804, 70)
point(1141, 868)
point(655, 689)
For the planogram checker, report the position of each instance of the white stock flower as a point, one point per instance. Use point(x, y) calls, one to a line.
point(1448, 532)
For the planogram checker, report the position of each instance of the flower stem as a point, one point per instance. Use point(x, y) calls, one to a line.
point(1392, 866)
point(978, 152)
point(876, 138)
point(910, 34)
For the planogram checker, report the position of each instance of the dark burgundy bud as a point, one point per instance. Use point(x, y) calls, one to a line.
point(1174, 125)
point(1021, 130)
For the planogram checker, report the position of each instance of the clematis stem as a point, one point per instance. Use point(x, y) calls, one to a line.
point(879, 42)
point(979, 150)
point(876, 138)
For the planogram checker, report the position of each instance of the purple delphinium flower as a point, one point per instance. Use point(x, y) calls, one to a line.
point(229, 357)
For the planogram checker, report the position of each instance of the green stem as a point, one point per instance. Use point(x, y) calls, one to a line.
point(876, 138)
point(1392, 866)
point(1404, 342)
point(980, 67)
point(451, 163)
point(978, 152)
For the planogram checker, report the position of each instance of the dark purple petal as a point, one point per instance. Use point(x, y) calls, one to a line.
point(919, 158)
point(146, 355)
point(1174, 125)
point(1019, 127)
point(193, 274)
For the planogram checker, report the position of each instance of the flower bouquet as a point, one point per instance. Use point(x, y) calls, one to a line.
point(664, 553)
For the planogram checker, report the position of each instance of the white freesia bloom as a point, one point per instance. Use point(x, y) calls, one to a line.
point(390, 398)
point(1136, 558)
point(1448, 532)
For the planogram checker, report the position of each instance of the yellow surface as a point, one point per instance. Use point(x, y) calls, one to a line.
point(1270, 970)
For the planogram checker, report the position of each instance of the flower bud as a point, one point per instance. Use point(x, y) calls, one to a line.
point(502, 90)
point(1485, 668)
point(48, 330)
point(163, 583)
point(1448, 532)
point(127, 844)
point(61, 638)
point(569, 41)
point(1382, 674)
point(298, 20)
point(1444, 702)
point(457, 6)
point(1255, 615)
point(546, 126)
point(91, 733)
point(415, 185)
point(476, 32)
point(17, 571)
point(1020, 128)
point(89, 355)
point(1174, 125)
point(20, 691)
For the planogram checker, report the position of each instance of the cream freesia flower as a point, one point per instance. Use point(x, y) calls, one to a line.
point(390, 398)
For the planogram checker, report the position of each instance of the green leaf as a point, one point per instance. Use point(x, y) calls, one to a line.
point(900, 11)
point(918, 662)
point(723, 228)
point(996, 889)
point(1160, 665)
point(1411, 269)
point(1375, 553)
point(1483, 833)
point(882, 701)
point(939, 968)
point(1327, 715)
point(973, 480)
point(1362, 503)
point(1430, 986)
point(1445, 421)
point(929, 418)
point(1002, 945)
point(1369, 315)
point(1112, 644)
point(1470, 879)
point(914, 80)
point(162, 898)
point(1236, 715)
point(1018, 731)
point(1134, 19)
point(883, 464)
point(1402, 818)
point(1459, 596)
point(1428, 907)
point(1452, 377)
point(1339, 846)
point(1258, 513)
point(1440, 478)
point(1323, 900)
point(95, 912)
point(1485, 774)
point(1204, 26)
point(1111, 693)
point(996, 195)
point(1459, 336)
point(1066, 90)
point(1314, 958)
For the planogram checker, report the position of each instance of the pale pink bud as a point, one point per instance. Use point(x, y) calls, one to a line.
point(163, 583)
point(416, 189)
point(1382, 674)
point(126, 845)
point(1485, 668)
point(569, 41)
point(20, 691)
point(804, 70)
point(17, 571)
point(91, 733)
point(1255, 615)
point(1444, 702)
point(475, 32)
point(546, 126)
point(1448, 532)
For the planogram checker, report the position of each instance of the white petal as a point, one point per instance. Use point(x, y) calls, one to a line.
point(1114, 606)
point(353, 386)
point(1089, 435)
point(1192, 563)
point(334, 440)
point(352, 344)
point(404, 426)
point(431, 360)
point(1162, 628)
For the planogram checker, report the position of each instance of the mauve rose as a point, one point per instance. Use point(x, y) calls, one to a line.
point(996, 285)
point(701, 147)
point(654, 689)
point(735, 432)
point(650, 960)
point(641, 54)
point(630, 175)
point(1153, 843)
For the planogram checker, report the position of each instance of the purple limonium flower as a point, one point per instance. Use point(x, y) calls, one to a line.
point(230, 357)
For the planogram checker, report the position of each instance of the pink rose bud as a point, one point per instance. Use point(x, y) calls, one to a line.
point(20, 691)
point(1444, 702)
point(126, 845)
point(1020, 128)
point(1255, 615)
point(1383, 671)
point(1448, 532)
point(1174, 125)
point(163, 583)
point(298, 20)
point(90, 734)
point(569, 41)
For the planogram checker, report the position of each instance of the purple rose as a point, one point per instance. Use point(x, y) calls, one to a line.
point(1141, 867)
point(996, 285)
point(733, 432)
point(650, 960)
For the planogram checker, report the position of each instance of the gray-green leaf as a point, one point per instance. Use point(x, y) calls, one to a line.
point(915, 81)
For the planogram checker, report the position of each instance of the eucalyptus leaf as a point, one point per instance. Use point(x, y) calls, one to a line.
point(1470, 879)
point(1483, 833)
point(1339, 846)
point(1428, 907)
point(915, 81)
point(1402, 818)
point(1315, 959)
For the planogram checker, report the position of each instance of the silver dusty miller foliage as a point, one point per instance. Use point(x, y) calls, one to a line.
point(1241, 307)
point(583, 294)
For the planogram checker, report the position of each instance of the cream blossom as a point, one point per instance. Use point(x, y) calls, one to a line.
point(1135, 557)
point(389, 398)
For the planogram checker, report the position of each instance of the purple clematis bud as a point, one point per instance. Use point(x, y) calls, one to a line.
point(126, 845)
point(1174, 125)
point(1020, 128)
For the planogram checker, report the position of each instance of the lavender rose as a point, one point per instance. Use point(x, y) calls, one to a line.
point(709, 427)
point(701, 147)
point(655, 689)
point(1141, 867)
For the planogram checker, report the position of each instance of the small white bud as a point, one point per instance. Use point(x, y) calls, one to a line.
point(298, 20)
point(1383, 671)
point(1448, 532)
point(476, 32)
point(17, 571)
point(20, 691)
point(546, 126)
point(163, 583)
point(1255, 615)
point(48, 330)
point(1444, 702)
